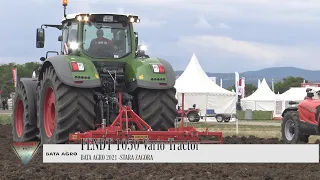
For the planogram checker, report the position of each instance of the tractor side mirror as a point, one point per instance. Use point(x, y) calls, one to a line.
point(136, 39)
point(40, 38)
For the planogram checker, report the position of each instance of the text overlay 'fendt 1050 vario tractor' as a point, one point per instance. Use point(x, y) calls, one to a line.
point(78, 88)
point(301, 120)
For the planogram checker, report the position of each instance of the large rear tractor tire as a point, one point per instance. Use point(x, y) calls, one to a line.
point(290, 129)
point(157, 107)
point(23, 127)
point(63, 109)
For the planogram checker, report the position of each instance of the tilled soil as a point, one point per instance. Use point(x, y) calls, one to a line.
point(11, 168)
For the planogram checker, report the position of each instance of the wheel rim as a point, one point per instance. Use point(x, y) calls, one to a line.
point(288, 130)
point(219, 118)
point(191, 118)
point(49, 112)
point(19, 125)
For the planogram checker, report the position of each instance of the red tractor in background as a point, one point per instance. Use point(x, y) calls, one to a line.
point(301, 120)
point(193, 114)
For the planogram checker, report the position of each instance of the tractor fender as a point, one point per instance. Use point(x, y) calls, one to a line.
point(289, 109)
point(171, 75)
point(143, 68)
point(61, 65)
point(30, 85)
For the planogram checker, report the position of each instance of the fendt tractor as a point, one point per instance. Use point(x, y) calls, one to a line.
point(78, 88)
point(301, 120)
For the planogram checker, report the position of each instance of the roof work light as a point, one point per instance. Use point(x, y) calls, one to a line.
point(65, 2)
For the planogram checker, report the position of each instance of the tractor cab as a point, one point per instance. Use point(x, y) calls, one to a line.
point(312, 94)
point(96, 36)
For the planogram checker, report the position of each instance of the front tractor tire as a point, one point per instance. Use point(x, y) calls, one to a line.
point(157, 107)
point(63, 109)
point(24, 129)
point(290, 129)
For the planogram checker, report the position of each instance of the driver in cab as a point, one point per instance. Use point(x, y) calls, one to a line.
point(101, 44)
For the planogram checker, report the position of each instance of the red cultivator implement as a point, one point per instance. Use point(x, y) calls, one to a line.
point(120, 129)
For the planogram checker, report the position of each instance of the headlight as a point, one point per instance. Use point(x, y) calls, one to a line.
point(76, 66)
point(142, 48)
point(158, 68)
point(74, 45)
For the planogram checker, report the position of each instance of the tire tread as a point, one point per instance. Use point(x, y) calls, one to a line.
point(300, 138)
point(30, 130)
point(75, 109)
point(158, 108)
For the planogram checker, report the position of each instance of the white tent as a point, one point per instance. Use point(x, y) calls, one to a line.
point(199, 89)
point(293, 94)
point(262, 99)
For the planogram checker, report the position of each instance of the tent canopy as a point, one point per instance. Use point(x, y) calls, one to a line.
point(263, 93)
point(296, 93)
point(199, 89)
point(195, 80)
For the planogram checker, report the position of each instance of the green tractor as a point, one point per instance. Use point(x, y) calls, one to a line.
point(78, 88)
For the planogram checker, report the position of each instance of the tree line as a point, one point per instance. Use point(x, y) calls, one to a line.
point(6, 78)
point(25, 70)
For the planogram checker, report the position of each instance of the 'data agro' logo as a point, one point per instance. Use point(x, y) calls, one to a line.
point(25, 150)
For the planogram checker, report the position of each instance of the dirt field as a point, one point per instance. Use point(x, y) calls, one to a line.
point(11, 168)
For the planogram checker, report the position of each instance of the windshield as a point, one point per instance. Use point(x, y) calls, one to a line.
point(106, 40)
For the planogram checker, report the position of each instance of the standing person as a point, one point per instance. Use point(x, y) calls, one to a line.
point(3, 104)
point(7, 106)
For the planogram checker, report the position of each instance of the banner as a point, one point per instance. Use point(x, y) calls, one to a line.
point(236, 83)
point(243, 86)
point(34, 74)
point(272, 85)
point(15, 76)
point(180, 153)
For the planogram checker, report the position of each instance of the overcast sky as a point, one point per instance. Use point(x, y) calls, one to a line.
point(225, 35)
